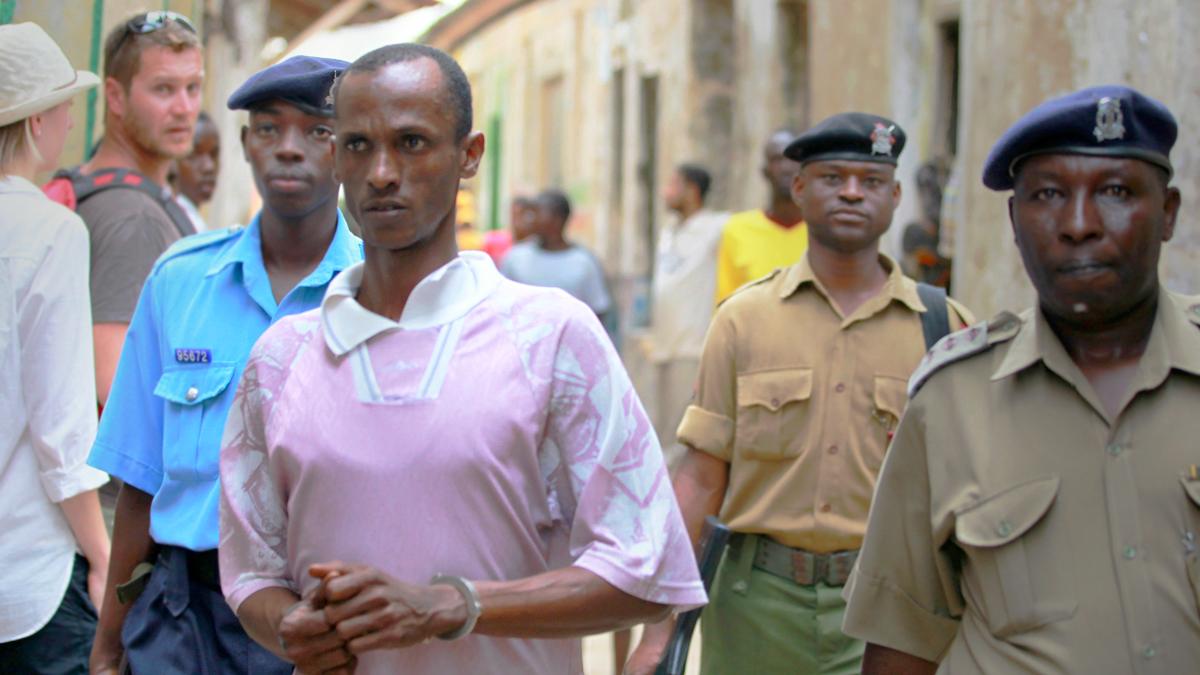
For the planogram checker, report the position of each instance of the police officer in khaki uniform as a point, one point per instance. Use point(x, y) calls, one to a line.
point(1039, 508)
point(802, 381)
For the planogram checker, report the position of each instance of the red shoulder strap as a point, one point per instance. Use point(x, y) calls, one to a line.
point(61, 189)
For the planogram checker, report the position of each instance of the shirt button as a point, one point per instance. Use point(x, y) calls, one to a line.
point(1004, 528)
point(840, 387)
point(833, 449)
point(774, 403)
point(1130, 553)
point(192, 393)
point(740, 586)
point(1114, 449)
point(1149, 652)
point(825, 508)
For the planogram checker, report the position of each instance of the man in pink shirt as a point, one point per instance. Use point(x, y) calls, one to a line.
point(470, 446)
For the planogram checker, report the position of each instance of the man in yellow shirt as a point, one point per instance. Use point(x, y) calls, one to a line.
point(757, 242)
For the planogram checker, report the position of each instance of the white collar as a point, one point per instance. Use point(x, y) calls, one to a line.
point(448, 293)
point(193, 212)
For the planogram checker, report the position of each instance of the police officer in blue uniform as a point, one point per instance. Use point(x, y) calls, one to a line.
point(207, 300)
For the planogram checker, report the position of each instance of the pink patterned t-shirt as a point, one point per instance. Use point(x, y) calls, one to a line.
point(491, 433)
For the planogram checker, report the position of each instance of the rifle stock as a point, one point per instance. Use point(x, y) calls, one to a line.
point(713, 539)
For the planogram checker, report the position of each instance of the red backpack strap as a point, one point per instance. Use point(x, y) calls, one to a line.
point(61, 188)
point(70, 187)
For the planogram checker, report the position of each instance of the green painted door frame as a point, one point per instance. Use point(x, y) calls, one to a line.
point(495, 125)
point(93, 96)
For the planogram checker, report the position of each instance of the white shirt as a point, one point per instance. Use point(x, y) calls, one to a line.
point(685, 281)
point(193, 212)
point(573, 269)
point(47, 400)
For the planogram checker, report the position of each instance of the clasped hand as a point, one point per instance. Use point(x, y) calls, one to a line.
point(357, 608)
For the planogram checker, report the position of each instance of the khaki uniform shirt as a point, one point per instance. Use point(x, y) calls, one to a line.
point(801, 401)
point(1018, 528)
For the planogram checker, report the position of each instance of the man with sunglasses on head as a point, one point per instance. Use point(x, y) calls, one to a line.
point(153, 72)
point(204, 304)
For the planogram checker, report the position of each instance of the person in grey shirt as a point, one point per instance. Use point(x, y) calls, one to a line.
point(153, 70)
point(548, 259)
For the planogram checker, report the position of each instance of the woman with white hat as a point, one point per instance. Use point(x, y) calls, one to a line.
point(49, 510)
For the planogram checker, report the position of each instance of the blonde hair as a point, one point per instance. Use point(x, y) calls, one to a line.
point(17, 145)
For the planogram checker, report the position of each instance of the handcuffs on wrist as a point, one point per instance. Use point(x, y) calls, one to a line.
point(470, 597)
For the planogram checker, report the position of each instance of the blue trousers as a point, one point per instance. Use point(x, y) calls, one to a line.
point(180, 624)
point(61, 647)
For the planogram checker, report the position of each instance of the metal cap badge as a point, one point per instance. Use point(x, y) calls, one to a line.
point(1108, 121)
point(852, 136)
point(882, 139)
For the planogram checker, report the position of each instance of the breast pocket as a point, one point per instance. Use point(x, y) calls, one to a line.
point(1023, 581)
point(194, 418)
point(1191, 537)
point(774, 416)
point(891, 395)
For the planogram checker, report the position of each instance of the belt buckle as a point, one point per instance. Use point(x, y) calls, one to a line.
point(807, 568)
point(840, 566)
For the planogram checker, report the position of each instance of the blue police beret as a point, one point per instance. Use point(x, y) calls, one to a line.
point(854, 136)
point(300, 80)
point(1110, 121)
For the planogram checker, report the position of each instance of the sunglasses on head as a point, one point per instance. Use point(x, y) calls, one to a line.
point(152, 21)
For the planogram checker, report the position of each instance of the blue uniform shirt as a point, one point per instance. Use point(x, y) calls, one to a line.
point(205, 303)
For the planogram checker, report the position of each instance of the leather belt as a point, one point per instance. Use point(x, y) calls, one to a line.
point(803, 567)
point(202, 566)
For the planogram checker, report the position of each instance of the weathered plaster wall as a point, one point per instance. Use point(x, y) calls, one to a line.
point(850, 56)
point(232, 56)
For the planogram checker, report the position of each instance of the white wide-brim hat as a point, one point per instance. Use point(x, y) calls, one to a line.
point(35, 75)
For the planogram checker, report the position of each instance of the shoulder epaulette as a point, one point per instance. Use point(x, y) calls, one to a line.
point(961, 344)
point(751, 284)
point(196, 242)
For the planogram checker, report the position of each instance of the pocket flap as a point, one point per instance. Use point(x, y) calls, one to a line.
point(1004, 516)
point(193, 386)
point(774, 388)
point(1192, 488)
point(891, 394)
